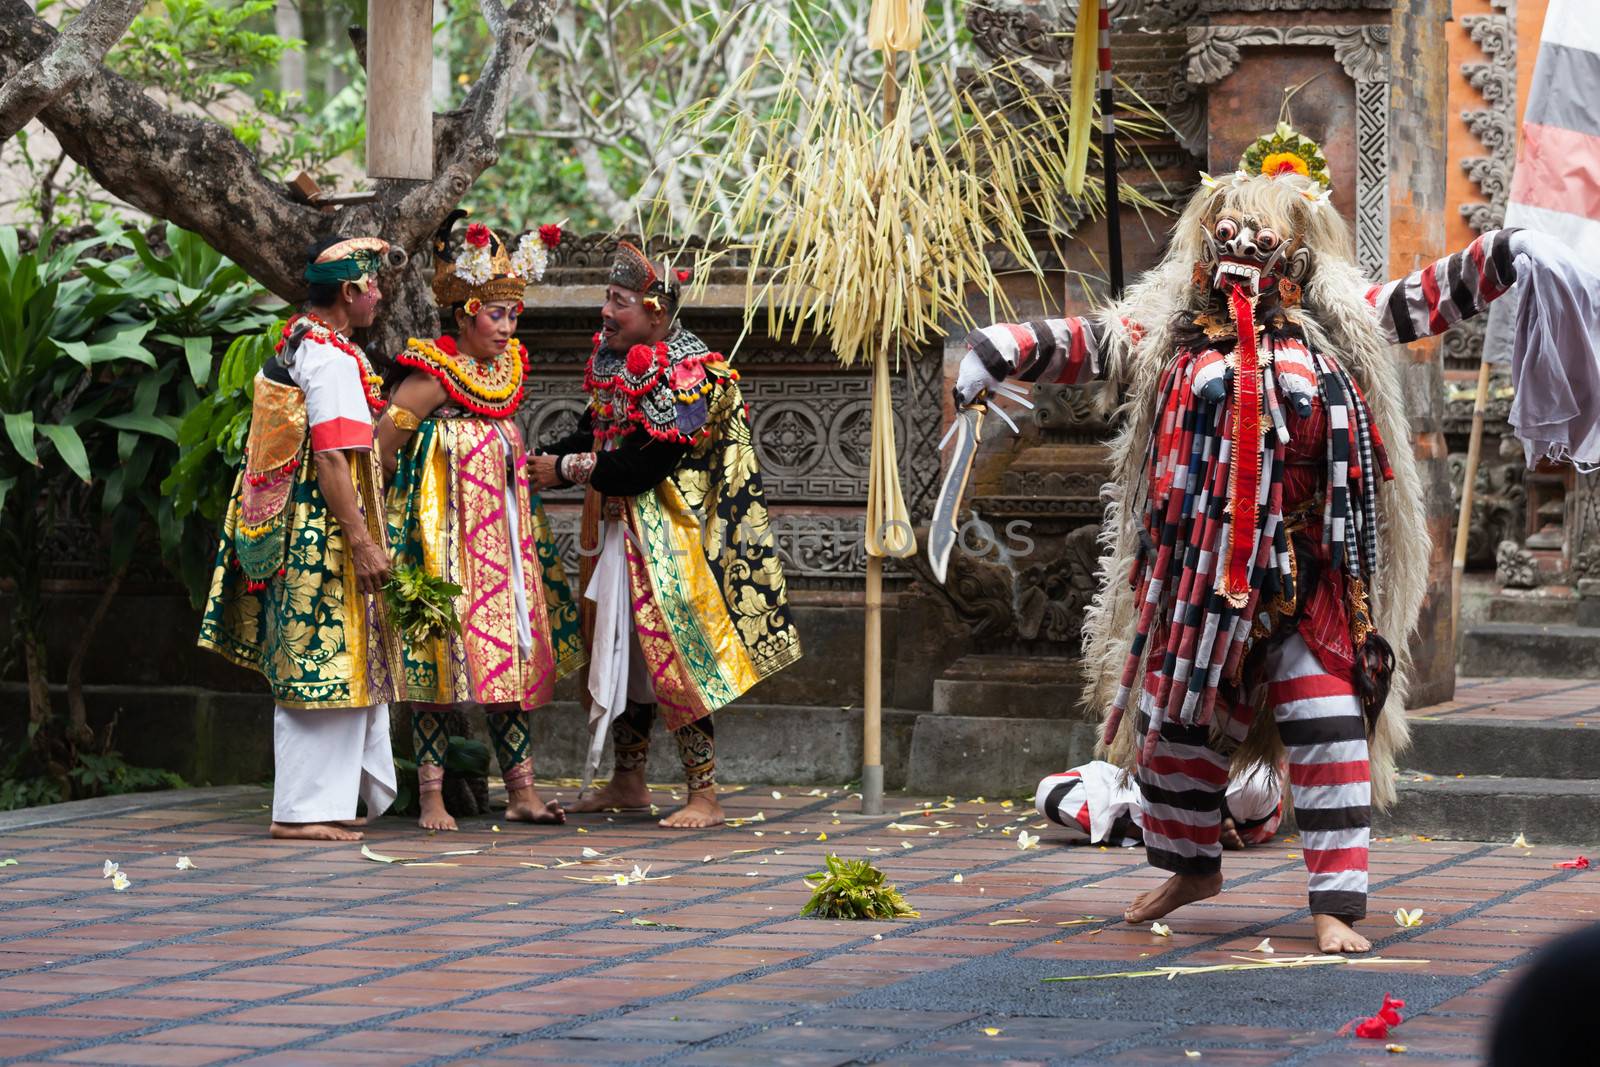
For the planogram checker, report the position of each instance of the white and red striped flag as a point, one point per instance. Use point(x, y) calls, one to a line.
point(1556, 185)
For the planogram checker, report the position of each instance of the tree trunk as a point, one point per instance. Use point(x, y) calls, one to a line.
point(292, 64)
point(78, 731)
point(34, 659)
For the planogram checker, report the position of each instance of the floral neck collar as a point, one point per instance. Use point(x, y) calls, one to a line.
point(493, 390)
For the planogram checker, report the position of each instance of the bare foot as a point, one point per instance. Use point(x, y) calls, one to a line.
point(1230, 836)
point(524, 805)
point(313, 831)
point(1336, 935)
point(626, 790)
point(359, 820)
point(703, 810)
point(434, 817)
point(1172, 894)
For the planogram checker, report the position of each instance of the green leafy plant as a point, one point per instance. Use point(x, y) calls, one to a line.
point(854, 889)
point(421, 607)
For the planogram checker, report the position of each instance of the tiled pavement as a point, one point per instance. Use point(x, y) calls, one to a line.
point(277, 953)
point(1567, 701)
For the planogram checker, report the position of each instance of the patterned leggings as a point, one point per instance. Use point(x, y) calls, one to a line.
point(508, 727)
point(1320, 722)
point(697, 744)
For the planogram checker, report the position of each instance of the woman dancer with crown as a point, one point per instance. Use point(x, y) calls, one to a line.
point(461, 508)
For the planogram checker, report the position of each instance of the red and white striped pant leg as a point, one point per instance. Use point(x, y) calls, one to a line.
point(1319, 719)
point(1181, 790)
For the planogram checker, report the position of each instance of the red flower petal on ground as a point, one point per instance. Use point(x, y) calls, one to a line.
point(1390, 1012)
point(1373, 1029)
point(478, 235)
point(640, 359)
point(1579, 863)
point(550, 234)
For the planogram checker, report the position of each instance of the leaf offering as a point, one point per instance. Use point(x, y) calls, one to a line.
point(421, 607)
point(854, 889)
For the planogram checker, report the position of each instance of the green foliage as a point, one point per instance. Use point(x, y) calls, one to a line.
point(199, 51)
point(193, 302)
point(66, 399)
point(421, 606)
point(104, 774)
point(854, 889)
point(211, 440)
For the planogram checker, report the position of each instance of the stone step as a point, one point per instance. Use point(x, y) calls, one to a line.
point(986, 755)
point(1549, 811)
point(1532, 748)
point(1035, 687)
point(1513, 648)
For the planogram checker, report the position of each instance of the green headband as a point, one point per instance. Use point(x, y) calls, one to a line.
point(351, 268)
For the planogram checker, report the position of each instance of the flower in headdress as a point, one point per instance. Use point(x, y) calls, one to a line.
point(472, 306)
point(478, 235)
point(1277, 163)
point(550, 234)
point(532, 256)
point(473, 265)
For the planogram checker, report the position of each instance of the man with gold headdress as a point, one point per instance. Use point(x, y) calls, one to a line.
point(684, 602)
point(460, 507)
point(1269, 551)
point(304, 551)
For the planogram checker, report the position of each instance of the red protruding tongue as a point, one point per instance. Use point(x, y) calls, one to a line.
point(1245, 477)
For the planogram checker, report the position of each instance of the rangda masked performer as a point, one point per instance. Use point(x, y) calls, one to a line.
point(1268, 546)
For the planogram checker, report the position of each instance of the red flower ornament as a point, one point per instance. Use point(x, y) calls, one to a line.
point(683, 277)
point(550, 234)
point(478, 235)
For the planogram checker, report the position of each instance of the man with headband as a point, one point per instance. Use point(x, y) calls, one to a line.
point(684, 602)
point(303, 555)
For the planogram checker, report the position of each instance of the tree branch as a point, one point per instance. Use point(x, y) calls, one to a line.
point(74, 55)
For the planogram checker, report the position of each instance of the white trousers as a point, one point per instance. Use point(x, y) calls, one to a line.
point(617, 669)
point(327, 757)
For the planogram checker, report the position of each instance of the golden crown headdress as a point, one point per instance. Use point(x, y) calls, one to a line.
point(482, 269)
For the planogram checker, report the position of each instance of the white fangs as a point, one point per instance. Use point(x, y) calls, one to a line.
point(1229, 268)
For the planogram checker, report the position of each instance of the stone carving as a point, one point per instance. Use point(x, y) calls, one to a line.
point(1515, 566)
point(1499, 504)
point(1004, 600)
point(1363, 52)
point(1495, 125)
point(1583, 528)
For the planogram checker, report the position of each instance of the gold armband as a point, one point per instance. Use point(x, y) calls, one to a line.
point(403, 419)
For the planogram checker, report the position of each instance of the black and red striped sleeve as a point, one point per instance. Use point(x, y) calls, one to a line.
point(1431, 300)
point(1054, 351)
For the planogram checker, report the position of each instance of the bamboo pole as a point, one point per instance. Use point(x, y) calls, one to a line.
point(872, 649)
point(1468, 482)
